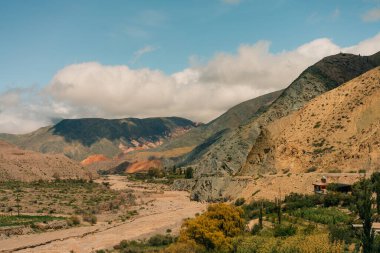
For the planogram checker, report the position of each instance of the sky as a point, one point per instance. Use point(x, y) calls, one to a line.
point(193, 59)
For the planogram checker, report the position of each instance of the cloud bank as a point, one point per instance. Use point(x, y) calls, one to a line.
point(200, 92)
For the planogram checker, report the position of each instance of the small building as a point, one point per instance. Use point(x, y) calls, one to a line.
point(321, 187)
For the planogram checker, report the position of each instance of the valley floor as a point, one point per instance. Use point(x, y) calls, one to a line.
point(162, 210)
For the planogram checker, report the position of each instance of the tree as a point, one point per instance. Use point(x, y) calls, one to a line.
point(278, 210)
point(215, 228)
point(375, 178)
point(261, 216)
point(363, 195)
point(189, 173)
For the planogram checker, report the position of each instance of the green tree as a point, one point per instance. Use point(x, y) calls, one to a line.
point(278, 210)
point(375, 178)
point(363, 196)
point(189, 172)
point(261, 216)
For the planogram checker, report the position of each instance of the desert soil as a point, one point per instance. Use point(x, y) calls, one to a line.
point(160, 209)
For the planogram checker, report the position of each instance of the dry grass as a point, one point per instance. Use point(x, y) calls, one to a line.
point(62, 197)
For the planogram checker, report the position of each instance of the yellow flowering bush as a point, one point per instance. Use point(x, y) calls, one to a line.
point(215, 228)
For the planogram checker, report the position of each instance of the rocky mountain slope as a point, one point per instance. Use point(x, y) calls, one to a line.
point(80, 138)
point(337, 131)
point(24, 165)
point(183, 144)
point(232, 118)
point(223, 155)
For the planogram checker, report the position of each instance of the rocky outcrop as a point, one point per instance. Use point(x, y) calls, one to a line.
point(228, 153)
point(337, 131)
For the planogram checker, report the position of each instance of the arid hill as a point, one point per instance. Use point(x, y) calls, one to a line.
point(80, 138)
point(337, 131)
point(24, 165)
point(223, 156)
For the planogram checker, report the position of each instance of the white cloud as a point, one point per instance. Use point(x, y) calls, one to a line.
point(201, 92)
point(139, 53)
point(372, 15)
point(24, 110)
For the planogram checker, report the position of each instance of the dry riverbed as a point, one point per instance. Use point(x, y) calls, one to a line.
point(159, 209)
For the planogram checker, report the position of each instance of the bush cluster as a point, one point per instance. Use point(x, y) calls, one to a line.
point(215, 228)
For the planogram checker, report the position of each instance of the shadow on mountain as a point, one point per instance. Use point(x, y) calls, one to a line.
point(91, 130)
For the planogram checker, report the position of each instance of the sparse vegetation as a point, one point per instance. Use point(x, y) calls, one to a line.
point(311, 169)
point(239, 201)
point(317, 125)
point(16, 220)
point(189, 173)
point(322, 215)
point(72, 197)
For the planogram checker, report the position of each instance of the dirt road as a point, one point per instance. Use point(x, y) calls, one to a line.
point(165, 210)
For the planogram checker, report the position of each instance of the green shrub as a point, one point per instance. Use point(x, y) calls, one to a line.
point(309, 229)
point(323, 215)
point(256, 229)
point(252, 209)
point(189, 173)
point(294, 201)
point(239, 201)
point(284, 230)
point(317, 125)
point(160, 240)
point(337, 187)
point(311, 169)
point(376, 244)
point(341, 233)
point(335, 171)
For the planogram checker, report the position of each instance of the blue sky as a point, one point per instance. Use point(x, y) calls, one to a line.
point(42, 36)
point(193, 58)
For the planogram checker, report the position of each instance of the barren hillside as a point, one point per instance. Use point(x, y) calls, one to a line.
point(24, 165)
point(337, 131)
point(224, 156)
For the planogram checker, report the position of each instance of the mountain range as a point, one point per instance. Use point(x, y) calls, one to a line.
point(80, 138)
point(325, 120)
